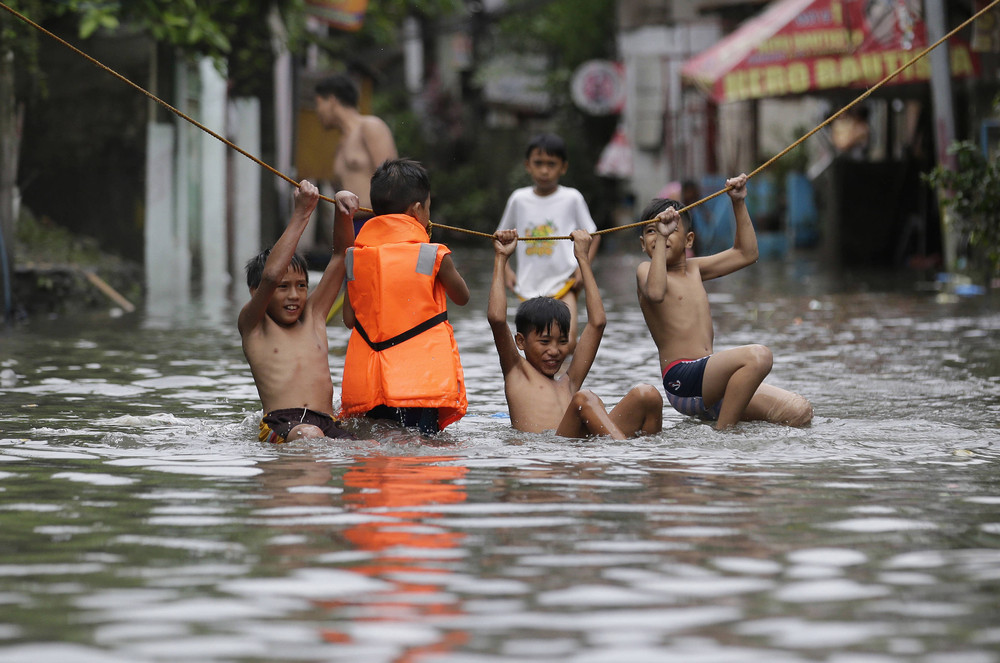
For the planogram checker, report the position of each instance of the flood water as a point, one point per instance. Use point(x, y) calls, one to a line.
point(141, 520)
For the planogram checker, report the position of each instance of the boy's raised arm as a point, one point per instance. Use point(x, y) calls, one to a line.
point(306, 197)
point(496, 310)
point(590, 338)
point(652, 276)
point(744, 251)
point(325, 294)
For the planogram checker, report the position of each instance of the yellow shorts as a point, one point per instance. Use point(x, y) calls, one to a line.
point(561, 292)
point(275, 426)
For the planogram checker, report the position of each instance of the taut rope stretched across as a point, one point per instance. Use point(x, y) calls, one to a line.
point(288, 179)
point(791, 147)
point(152, 96)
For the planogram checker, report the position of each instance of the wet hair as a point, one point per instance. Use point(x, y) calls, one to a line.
point(549, 144)
point(398, 183)
point(538, 313)
point(255, 267)
point(658, 205)
point(341, 87)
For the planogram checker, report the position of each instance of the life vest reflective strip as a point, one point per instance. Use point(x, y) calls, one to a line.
point(402, 352)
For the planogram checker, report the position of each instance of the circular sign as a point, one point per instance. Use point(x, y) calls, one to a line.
point(598, 87)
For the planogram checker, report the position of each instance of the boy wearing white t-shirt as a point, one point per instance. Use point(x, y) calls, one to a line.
point(547, 209)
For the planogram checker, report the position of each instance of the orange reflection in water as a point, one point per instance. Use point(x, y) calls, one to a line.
point(407, 551)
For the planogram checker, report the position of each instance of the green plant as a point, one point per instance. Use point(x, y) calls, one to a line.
point(971, 192)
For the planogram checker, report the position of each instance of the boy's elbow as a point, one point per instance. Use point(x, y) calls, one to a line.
point(654, 297)
point(269, 278)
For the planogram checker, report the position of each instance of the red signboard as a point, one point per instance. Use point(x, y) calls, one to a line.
point(808, 46)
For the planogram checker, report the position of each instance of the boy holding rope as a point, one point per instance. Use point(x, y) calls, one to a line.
point(726, 386)
point(283, 327)
point(547, 268)
point(537, 399)
point(402, 361)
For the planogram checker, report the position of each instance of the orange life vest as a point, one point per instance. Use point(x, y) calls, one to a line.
point(402, 352)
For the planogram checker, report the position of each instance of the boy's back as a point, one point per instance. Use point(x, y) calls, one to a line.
point(402, 361)
point(403, 354)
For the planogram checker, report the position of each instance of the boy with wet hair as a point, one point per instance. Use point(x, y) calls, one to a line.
point(402, 360)
point(547, 268)
point(283, 327)
point(537, 399)
point(725, 386)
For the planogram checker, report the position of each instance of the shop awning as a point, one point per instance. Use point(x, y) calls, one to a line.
point(810, 46)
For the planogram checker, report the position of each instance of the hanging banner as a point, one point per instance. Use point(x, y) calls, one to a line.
point(808, 46)
point(346, 15)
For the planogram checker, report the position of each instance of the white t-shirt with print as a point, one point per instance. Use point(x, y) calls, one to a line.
point(543, 267)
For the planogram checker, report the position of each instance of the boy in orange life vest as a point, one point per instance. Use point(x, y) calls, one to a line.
point(284, 328)
point(539, 401)
point(402, 361)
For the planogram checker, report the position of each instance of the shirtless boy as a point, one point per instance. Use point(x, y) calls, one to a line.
point(537, 399)
point(726, 386)
point(284, 328)
point(365, 142)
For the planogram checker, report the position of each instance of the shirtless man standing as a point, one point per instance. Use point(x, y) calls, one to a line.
point(366, 140)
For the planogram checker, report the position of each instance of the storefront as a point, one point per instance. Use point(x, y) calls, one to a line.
point(866, 170)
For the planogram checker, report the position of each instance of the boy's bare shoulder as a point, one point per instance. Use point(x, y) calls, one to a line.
point(525, 379)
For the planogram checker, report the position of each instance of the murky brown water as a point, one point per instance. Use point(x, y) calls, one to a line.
point(142, 521)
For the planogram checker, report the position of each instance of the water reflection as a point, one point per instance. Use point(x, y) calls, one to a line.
point(142, 521)
point(382, 530)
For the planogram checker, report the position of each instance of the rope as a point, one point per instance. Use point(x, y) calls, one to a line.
point(791, 147)
point(152, 96)
point(288, 179)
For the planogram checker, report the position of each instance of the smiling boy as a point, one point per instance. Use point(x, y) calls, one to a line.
point(283, 328)
point(539, 401)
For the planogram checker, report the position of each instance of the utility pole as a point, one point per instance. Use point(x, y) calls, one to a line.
point(943, 110)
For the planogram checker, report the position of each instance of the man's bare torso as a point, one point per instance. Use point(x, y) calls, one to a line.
point(353, 165)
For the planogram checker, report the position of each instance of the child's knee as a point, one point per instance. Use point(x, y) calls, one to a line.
point(303, 431)
point(761, 358)
point(649, 396)
point(586, 399)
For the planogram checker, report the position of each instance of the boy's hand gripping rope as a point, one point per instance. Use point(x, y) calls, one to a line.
point(763, 166)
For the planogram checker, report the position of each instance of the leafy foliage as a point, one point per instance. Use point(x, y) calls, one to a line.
point(236, 30)
point(572, 32)
point(971, 191)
